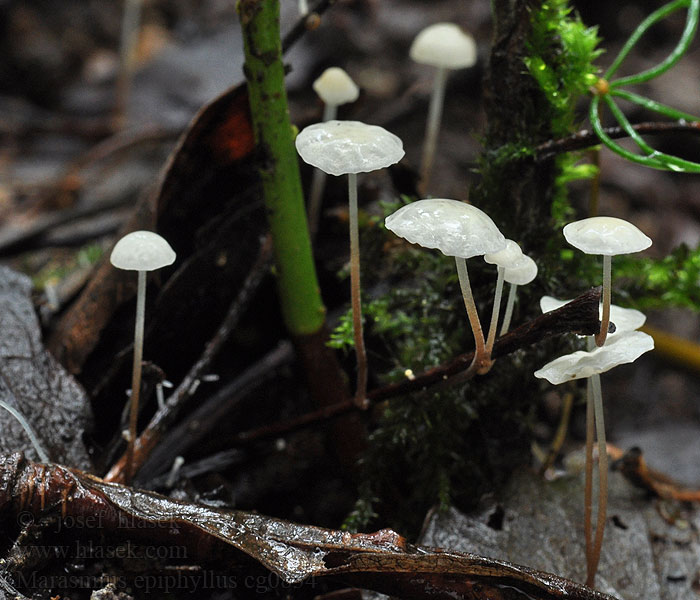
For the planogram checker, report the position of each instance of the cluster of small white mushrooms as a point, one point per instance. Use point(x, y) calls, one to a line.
point(456, 229)
point(517, 269)
point(608, 236)
point(140, 251)
point(351, 147)
point(335, 87)
point(444, 46)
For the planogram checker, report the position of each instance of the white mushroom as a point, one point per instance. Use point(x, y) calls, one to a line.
point(624, 347)
point(140, 251)
point(608, 236)
point(444, 46)
point(334, 87)
point(520, 274)
point(507, 258)
point(456, 229)
point(351, 147)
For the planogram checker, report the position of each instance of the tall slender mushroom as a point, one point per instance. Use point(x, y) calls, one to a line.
point(509, 257)
point(140, 251)
point(351, 147)
point(456, 229)
point(521, 274)
point(335, 87)
point(608, 236)
point(444, 46)
point(621, 346)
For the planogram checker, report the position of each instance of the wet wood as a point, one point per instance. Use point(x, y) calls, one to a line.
point(381, 561)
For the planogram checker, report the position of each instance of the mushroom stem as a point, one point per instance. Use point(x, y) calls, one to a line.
point(136, 371)
point(508, 315)
point(495, 311)
point(437, 99)
point(33, 437)
point(361, 388)
point(588, 488)
point(131, 22)
point(607, 284)
point(594, 556)
point(318, 181)
point(480, 346)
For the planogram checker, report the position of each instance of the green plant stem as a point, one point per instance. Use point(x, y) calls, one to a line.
point(675, 55)
point(649, 104)
point(136, 374)
point(356, 299)
point(297, 284)
point(666, 161)
point(594, 117)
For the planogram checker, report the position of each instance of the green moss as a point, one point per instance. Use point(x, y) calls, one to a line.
point(561, 54)
point(648, 283)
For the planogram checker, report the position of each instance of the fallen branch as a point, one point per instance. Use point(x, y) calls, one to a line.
point(578, 316)
point(586, 138)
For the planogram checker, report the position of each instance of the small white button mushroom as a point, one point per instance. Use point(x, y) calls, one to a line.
point(140, 251)
point(456, 229)
point(335, 87)
point(351, 147)
point(444, 46)
point(522, 273)
point(608, 236)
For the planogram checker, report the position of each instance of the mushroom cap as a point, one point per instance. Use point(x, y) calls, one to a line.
point(341, 147)
point(444, 45)
point(605, 235)
point(508, 257)
point(334, 86)
point(455, 228)
point(521, 273)
point(624, 348)
point(625, 319)
point(142, 251)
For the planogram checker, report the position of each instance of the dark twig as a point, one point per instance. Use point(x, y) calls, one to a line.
point(302, 25)
point(165, 416)
point(578, 316)
point(210, 413)
point(585, 138)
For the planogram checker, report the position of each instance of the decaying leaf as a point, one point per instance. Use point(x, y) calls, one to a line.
point(195, 189)
point(34, 384)
point(382, 561)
